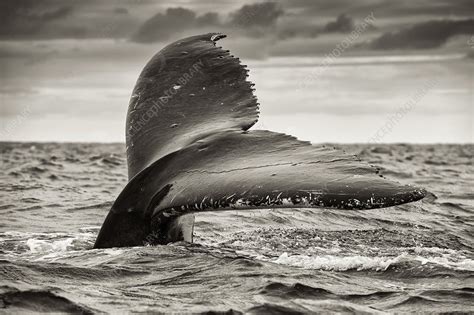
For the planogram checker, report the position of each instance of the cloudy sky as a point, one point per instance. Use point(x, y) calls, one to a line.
point(68, 66)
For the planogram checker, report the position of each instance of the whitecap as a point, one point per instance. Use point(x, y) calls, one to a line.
point(337, 263)
point(343, 263)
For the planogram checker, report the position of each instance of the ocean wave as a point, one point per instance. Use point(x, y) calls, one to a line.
point(43, 246)
point(43, 301)
point(303, 306)
point(20, 243)
point(359, 263)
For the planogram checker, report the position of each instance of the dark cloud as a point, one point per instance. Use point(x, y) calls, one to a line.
point(259, 14)
point(209, 18)
point(298, 31)
point(275, 22)
point(52, 15)
point(30, 9)
point(58, 19)
point(254, 17)
point(302, 28)
point(121, 11)
point(343, 24)
point(436, 8)
point(50, 19)
point(24, 18)
point(162, 26)
point(381, 8)
point(431, 34)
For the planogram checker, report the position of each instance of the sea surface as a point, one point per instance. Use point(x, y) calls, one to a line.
point(416, 257)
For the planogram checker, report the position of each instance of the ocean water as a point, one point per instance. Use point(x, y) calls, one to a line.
point(412, 258)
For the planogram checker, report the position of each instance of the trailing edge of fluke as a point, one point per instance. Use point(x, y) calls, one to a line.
point(190, 149)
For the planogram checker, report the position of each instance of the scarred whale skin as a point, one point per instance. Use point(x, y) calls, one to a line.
point(189, 149)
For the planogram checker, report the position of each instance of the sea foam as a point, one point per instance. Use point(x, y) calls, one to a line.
point(338, 263)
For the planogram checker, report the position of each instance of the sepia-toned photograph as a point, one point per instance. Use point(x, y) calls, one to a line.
point(236, 157)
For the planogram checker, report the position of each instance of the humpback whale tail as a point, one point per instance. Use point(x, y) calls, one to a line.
point(189, 149)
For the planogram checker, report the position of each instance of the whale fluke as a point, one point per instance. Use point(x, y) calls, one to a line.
point(196, 153)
